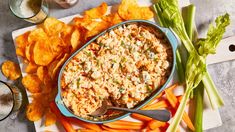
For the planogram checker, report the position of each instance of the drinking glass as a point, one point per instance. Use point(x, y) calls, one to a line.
point(10, 100)
point(34, 11)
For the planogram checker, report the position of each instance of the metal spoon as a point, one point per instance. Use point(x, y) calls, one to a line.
point(161, 115)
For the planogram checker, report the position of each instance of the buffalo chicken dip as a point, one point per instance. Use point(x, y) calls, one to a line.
point(123, 66)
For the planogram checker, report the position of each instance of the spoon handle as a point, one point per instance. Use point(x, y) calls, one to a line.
point(161, 115)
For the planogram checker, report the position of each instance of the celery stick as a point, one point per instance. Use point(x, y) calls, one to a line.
point(179, 60)
point(198, 102)
point(188, 14)
point(215, 100)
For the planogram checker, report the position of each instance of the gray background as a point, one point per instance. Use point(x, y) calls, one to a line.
point(207, 10)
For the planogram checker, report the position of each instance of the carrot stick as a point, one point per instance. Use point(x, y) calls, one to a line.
point(156, 124)
point(157, 105)
point(154, 130)
point(179, 97)
point(172, 87)
point(162, 93)
point(174, 103)
point(67, 126)
point(113, 130)
point(85, 124)
point(141, 117)
point(157, 97)
point(86, 130)
point(125, 125)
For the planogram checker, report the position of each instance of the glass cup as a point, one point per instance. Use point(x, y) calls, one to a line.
point(34, 11)
point(10, 100)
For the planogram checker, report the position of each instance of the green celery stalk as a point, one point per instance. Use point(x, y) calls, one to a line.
point(179, 60)
point(196, 63)
point(198, 102)
point(188, 14)
point(215, 100)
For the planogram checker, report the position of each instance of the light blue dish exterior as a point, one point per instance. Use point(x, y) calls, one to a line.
point(172, 40)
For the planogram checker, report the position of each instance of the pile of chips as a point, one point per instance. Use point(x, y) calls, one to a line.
point(46, 48)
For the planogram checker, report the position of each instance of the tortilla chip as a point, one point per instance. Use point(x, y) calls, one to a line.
point(29, 52)
point(11, 70)
point(112, 19)
point(42, 53)
point(22, 40)
point(32, 83)
point(55, 66)
point(129, 9)
point(34, 111)
point(97, 12)
point(101, 26)
point(37, 35)
point(53, 26)
point(50, 118)
point(75, 40)
point(31, 68)
point(20, 52)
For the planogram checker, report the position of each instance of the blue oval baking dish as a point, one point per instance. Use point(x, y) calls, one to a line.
point(172, 41)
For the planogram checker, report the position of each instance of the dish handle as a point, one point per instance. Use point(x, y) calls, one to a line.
point(59, 103)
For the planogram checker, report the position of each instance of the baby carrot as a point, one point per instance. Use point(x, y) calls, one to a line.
point(174, 103)
point(66, 124)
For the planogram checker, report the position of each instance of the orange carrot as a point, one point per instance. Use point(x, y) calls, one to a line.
point(120, 124)
point(85, 124)
point(172, 87)
point(113, 130)
point(179, 97)
point(156, 124)
point(162, 93)
point(157, 105)
point(174, 103)
point(154, 99)
point(66, 124)
point(154, 130)
point(86, 130)
point(140, 117)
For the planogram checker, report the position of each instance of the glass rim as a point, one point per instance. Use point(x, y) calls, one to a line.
point(12, 97)
point(13, 12)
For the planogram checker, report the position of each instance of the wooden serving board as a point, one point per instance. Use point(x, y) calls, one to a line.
point(211, 118)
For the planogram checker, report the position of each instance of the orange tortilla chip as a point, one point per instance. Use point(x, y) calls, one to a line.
point(42, 53)
point(37, 35)
point(112, 19)
point(22, 40)
point(32, 83)
point(53, 26)
point(101, 26)
point(56, 65)
point(50, 118)
point(97, 12)
point(129, 9)
point(20, 52)
point(34, 111)
point(29, 52)
point(31, 68)
point(48, 84)
point(11, 70)
point(57, 45)
point(41, 72)
point(75, 40)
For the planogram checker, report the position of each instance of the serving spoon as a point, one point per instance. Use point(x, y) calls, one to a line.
point(161, 115)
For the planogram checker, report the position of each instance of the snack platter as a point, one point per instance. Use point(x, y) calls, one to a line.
point(211, 117)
